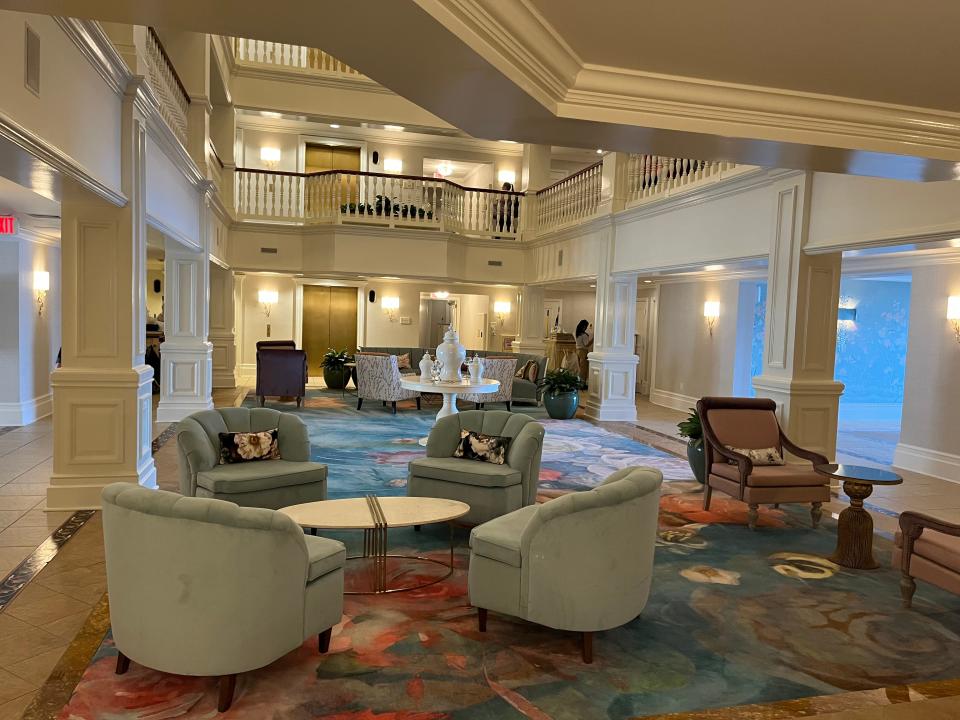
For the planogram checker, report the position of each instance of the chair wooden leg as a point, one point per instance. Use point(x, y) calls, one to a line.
point(482, 619)
point(752, 515)
point(418, 403)
point(123, 663)
point(707, 493)
point(383, 403)
point(228, 684)
point(476, 406)
point(323, 640)
point(816, 512)
point(393, 406)
point(262, 400)
point(359, 402)
point(908, 586)
point(416, 528)
point(587, 647)
point(508, 406)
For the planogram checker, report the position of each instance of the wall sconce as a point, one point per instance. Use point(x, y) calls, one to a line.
point(711, 311)
point(502, 309)
point(506, 176)
point(267, 298)
point(394, 165)
point(270, 156)
point(953, 314)
point(41, 284)
point(390, 305)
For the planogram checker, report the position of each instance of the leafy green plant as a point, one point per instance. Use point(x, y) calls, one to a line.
point(335, 359)
point(691, 428)
point(561, 380)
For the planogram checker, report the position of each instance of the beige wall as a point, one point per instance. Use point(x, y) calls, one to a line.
point(577, 306)
point(155, 299)
point(689, 362)
point(931, 396)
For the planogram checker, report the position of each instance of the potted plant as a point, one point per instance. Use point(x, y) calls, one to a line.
point(561, 393)
point(335, 371)
point(693, 431)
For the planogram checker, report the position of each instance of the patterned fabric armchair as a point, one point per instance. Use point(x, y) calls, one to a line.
point(495, 368)
point(581, 562)
point(378, 378)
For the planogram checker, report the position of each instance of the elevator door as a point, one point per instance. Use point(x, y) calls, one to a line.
point(329, 321)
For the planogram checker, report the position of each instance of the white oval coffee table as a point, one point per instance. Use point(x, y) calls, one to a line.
point(375, 515)
point(449, 390)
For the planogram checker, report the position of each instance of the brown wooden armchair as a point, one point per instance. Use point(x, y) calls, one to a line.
point(281, 371)
point(929, 549)
point(751, 424)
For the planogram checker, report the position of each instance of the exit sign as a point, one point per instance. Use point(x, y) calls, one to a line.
point(8, 225)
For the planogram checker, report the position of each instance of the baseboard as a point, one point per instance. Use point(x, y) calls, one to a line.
point(24, 413)
point(676, 401)
point(945, 466)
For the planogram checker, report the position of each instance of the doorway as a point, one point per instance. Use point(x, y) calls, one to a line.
point(436, 317)
point(329, 321)
point(318, 157)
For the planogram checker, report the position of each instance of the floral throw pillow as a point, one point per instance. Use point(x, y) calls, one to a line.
point(403, 362)
point(485, 448)
point(241, 447)
point(760, 456)
point(531, 370)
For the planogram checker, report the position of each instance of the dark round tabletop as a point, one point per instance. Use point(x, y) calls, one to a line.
point(859, 473)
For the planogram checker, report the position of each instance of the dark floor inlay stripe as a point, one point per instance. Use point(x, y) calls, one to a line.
point(27, 570)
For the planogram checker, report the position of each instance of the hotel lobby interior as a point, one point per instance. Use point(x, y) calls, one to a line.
point(479, 359)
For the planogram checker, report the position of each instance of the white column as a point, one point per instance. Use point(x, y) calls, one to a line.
point(613, 183)
point(222, 328)
point(102, 397)
point(536, 168)
point(530, 339)
point(186, 356)
point(613, 366)
point(801, 326)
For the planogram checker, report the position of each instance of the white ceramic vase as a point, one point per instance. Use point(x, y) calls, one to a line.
point(475, 366)
point(426, 367)
point(452, 354)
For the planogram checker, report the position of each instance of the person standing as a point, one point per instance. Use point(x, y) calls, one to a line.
point(584, 339)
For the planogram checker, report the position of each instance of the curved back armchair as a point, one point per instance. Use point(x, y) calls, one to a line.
point(205, 588)
point(751, 424)
point(490, 490)
point(496, 368)
point(378, 378)
point(581, 562)
point(281, 370)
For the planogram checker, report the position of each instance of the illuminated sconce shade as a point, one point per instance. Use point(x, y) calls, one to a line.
point(393, 165)
point(502, 309)
point(445, 169)
point(390, 304)
point(506, 176)
point(847, 314)
point(270, 155)
point(267, 298)
point(953, 314)
point(711, 311)
point(41, 284)
point(440, 295)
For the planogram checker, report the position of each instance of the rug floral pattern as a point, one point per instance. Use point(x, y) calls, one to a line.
point(734, 617)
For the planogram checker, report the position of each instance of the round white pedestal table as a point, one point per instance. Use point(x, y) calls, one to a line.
point(449, 390)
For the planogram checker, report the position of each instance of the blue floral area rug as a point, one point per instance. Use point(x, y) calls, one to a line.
point(367, 451)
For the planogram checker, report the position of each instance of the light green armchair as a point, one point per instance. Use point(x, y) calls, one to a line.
point(490, 490)
point(580, 562)
point(205, 588)
point(273, 484)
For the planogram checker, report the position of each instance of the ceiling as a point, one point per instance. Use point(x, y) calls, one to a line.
point(794, 85)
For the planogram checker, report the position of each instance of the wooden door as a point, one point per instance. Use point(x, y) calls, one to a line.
point(329, 321)
point(343, 318)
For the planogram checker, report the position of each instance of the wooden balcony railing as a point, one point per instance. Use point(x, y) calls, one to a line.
point(295, 57)
point(377, 199)
point(569, 201)
point(167, 86)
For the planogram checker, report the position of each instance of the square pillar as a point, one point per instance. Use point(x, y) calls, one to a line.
point(222, 330)
point(530, 339)
point(801, 326)
point(186, 356)
point(102, 397)
point(611, 394)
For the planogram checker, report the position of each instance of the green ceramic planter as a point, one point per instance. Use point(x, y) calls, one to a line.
point(336, 378)
point(561, 406)
point(697, 461)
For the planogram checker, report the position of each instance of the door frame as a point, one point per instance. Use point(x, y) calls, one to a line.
point(327, 282)
point(303, 140)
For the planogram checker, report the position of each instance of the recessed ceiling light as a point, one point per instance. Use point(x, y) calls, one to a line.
point(648, 281)
point(269, 114)
point(509, 142)
point(599, 151)
point(334, 126)
point(394, 128)
point(593, 286)
point(713, 268)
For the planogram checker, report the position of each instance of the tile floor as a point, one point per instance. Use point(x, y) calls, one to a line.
point(38, 625)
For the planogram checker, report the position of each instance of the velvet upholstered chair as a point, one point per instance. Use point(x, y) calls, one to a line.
point(751, 424)
point(378, 378)
point(580, 562)
point(926, 548)
point(281, 371)
point(291, 480)
point(205, 588)
point(499, 368)
point(490, 490)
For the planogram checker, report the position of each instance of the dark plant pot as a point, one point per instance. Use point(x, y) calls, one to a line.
point(336, 378)
point(561, 406)
point(697, 461)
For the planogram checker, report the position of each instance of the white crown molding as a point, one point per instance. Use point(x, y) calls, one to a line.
point(870, 264)
point(929, 233)
point(172, 233)
point(306, 76)
point(527, 49)
point(47, 153)
point(90, 39)
point(35, 235)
